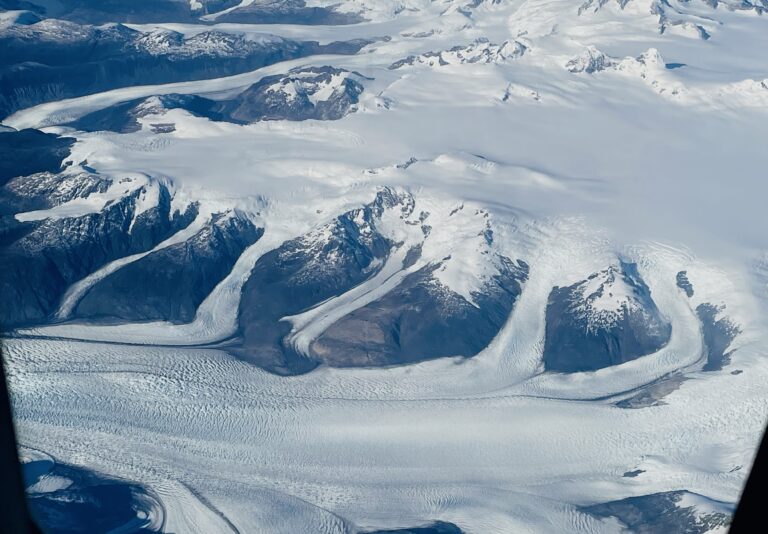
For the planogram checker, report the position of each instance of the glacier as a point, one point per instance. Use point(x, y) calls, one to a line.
point(356, 266)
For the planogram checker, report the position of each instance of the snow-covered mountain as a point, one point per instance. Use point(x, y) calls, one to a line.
point(481, 51)
point(674, 511)
point(50, 59)
point(369, 289)
point(358, 266)
point(322, 93)
point(52, 249)
point(605, 320)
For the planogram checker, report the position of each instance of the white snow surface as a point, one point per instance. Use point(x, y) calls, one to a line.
point(656, 157)
point(606, 297)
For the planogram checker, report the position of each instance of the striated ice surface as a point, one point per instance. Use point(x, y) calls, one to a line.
point(517, 177)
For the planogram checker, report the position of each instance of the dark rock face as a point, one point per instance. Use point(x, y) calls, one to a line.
point(295, 96)
point(37, 268)
point(608, 319)
point(304, 272)
point(674, 511)
point(12, 230)
point(31, 151)
point(46, 190)
point(87, 501)
point(287, 12)
point(652, 394)
point(38, 192)
point(421, 320)
point(171, 283)
point(685, 284)
point(163, 128)
point(54, 59)
point(437, 527)
point(718, 336)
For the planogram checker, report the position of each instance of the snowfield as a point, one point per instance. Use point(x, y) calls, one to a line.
point(573, 136)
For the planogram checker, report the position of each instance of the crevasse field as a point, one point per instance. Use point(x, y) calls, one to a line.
point(537, 230)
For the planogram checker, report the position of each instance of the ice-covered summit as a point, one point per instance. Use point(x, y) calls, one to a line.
point(480, 51)
point(323, 93)
point(608, 296)
point(608, 319)
point(590, 60)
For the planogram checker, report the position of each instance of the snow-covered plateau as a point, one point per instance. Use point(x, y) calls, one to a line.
point(365, 266)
